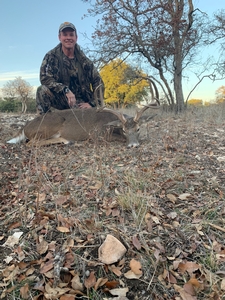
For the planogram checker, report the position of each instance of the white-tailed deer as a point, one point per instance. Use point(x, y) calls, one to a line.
point(72, 125)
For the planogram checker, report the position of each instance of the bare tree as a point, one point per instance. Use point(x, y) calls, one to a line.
point(217, 27)
point(216, 34)
point(18, 88)
point(163, 34)
point(8, 91)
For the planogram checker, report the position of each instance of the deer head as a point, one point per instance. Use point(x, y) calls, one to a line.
point(130, 125)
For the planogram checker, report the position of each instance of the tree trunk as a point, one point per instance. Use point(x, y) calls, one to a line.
point(178, 84)
point(178, 46)
point(24, 107)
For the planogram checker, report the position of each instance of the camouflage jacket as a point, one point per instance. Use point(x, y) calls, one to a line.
point(79, 74)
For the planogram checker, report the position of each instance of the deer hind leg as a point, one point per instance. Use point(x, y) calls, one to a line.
point(51, 141)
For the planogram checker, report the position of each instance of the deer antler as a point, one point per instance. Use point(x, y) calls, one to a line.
point(100, 87)
point(118, 114)
point(154, 105)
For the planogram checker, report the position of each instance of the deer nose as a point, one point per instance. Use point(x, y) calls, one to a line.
point(133, 145)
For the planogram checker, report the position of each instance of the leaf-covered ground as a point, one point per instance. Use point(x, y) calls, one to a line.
point(164, 201)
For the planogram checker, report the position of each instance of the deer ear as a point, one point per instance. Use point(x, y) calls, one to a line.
point(116, 124)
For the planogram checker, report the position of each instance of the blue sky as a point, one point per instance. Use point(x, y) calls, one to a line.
point(29, 29)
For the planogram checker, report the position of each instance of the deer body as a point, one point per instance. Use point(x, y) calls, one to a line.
point(72, 125)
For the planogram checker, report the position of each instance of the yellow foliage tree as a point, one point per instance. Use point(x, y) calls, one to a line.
point(220, 94)
point(121, 86)
point(196, 102)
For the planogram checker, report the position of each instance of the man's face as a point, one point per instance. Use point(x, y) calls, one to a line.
point(68, 38)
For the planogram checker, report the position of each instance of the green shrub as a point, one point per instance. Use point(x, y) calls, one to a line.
point(31, 106)
point(10, 105)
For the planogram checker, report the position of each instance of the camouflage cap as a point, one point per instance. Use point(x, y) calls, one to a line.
point(67, 25)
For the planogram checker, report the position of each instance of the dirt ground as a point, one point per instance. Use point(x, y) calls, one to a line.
point(164, 201)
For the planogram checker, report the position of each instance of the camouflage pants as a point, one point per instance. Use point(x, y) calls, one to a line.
point(45, 99)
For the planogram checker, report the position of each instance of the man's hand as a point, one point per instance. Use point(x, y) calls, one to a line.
point(71, 99)
point(84, 105)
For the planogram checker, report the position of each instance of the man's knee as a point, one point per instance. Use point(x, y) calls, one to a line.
point(43, 98)
point(42, 90)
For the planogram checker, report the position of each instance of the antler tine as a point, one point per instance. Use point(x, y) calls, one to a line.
point(151, 105)
point(100, 87)
point(118, 114)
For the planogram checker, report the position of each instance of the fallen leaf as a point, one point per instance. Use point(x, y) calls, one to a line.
point(184, 196)
point(148, 222)
point(117, 192)
point(47, 266)
point(50, 274)
point(100, 282)
point(221, 158)
point(8, 259)
point(63, 229)
point(112, 284)
point(176, 224)
point(155, 219)
point(41, 197)
point(223, 284)
point(22, 265)
point(147, 217)
point(189, 288)
point(50, 290)
point(60, 200)
point(115, 212)
point(14, 225)
point(220, 273)
point(90, 281)
point(121, 262)
point(136, 242)
point(131, 275)
point(135, 267)
point(171, 257)
point(54, 293)
point(172, 215)
point(198, 228)
point(69, 243)
point(67, 297)
point(42, 247)
point(97, 186)
point(24, 291)
point(108, 211)
point(189, 266)
point(119, 292)
point(13, 239)
point(30, 271)
point(39, 286)
point(20, 253)
point(76, 284)
point(172, 198)
point(168, 276)
point(115, 270)
point(184, 295)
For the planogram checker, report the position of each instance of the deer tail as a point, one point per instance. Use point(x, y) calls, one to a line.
point(17, 139)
